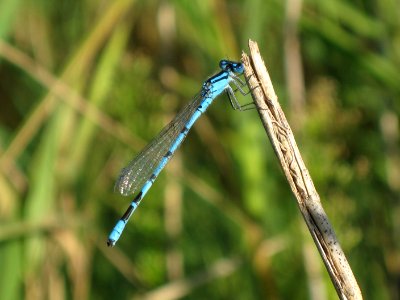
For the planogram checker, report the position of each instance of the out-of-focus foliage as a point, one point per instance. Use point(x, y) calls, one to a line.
point(85, 84)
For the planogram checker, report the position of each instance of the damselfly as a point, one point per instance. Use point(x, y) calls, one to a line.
point(143, 170)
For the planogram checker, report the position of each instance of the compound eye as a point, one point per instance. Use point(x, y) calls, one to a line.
point(238, 68)
point(224, 64)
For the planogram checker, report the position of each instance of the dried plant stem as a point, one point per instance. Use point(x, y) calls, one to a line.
point(299, 179)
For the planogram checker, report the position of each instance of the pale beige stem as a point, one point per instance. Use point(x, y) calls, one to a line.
point(299, 179)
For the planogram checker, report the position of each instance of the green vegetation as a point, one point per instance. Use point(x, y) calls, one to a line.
point(84, 85)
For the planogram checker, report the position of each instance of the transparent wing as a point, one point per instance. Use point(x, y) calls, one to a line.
point(139, 170)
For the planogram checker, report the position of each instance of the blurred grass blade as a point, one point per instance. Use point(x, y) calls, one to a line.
point(8, 12)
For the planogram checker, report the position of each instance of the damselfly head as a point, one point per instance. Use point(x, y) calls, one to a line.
point(232, 66)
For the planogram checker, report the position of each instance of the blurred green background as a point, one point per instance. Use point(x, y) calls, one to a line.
point(84, 85)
